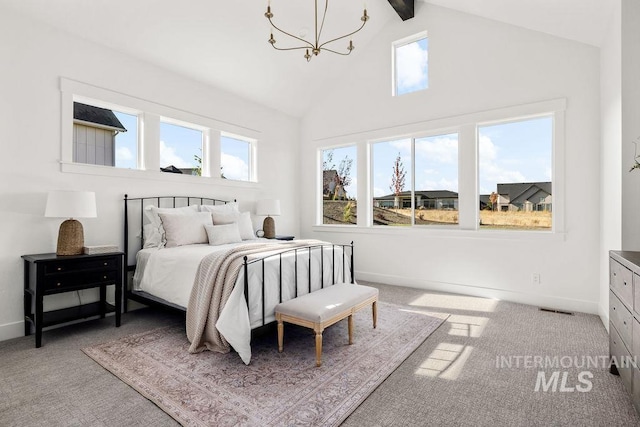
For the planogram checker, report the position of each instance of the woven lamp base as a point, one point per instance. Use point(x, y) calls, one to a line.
point(269, 228)
point(70, 238)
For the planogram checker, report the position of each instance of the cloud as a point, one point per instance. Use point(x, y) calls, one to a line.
point(411, 65)
point(492, 170)
point(234, 167)
point(379, 192)
point(124, 154)
point(441, 184)
point(441, 149)
point(168, 157)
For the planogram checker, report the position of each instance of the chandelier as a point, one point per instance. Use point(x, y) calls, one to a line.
point(314, 48)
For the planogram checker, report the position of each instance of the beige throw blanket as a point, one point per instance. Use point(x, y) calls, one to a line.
point(215, 279)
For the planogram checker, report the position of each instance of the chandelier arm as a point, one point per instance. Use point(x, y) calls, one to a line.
point(342, 37)
point(291, 48)
point(324, 15)
point(336, 52)
point(291, 35)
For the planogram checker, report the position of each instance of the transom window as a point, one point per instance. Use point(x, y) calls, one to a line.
point(180, 148)
point(104, 136)
point(411, 64)
point(235, 158)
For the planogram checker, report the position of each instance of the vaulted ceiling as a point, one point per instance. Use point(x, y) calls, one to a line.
point(225, 43)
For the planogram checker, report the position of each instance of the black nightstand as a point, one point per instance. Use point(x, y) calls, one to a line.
point(285, 237)
point(47, 274)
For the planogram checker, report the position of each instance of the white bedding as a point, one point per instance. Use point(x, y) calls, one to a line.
point(169, 274)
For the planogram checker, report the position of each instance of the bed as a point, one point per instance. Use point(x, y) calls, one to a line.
point(259, 273)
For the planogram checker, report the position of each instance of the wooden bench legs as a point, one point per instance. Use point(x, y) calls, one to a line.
point(319, 327)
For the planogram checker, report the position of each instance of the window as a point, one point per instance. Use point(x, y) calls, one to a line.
point(391, 173)
point(515, 163)
point(339, 185)
point(104, 136)
point(436, 189)
point(433, 200)
point(411, 64)
point(180, 149)
point(235, 158)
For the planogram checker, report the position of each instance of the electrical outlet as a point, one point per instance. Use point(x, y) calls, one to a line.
point(535, 278)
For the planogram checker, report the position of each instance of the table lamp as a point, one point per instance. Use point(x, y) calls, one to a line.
point(268, 207)
point(70, 204)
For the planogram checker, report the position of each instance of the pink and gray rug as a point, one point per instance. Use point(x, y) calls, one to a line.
point(276, 389)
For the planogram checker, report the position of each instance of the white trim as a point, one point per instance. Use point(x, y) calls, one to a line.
point(529, 298)
point(12, 330)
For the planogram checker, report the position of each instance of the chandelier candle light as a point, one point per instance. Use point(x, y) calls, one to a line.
point(314, 48)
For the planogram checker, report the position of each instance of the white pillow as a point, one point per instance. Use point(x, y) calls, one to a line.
point(225, 208)
point(183, 229)
point(154, 235)
point(221, 234)
point(243, 219)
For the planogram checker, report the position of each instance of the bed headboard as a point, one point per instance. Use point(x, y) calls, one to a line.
point(134, 218)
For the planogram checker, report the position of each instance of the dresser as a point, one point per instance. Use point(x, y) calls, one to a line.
point(48, 274)
point(624, 319)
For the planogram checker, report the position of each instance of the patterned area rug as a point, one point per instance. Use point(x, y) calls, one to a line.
point(276, 389)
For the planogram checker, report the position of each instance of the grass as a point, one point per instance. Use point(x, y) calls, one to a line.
point(333, 213)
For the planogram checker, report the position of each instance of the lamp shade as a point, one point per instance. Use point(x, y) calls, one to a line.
point(71, 204)
point(269, 207)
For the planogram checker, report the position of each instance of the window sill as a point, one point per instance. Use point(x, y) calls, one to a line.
point(110, 171)
point(445, 232)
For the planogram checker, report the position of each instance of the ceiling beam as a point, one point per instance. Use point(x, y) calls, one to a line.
point(404, 8)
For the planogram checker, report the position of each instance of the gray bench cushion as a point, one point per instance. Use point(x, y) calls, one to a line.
point(325, 303)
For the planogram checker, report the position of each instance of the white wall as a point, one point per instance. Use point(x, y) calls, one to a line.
point(475, 65)
point(611, 168)
point(32, 60)
point(630, 124)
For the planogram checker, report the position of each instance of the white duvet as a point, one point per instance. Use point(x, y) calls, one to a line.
point(169, 274)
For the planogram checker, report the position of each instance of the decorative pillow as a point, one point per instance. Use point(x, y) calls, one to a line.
point(183, 229)
point(225, 208)
point(154, 235)
point(221, 234)
point(243, 219)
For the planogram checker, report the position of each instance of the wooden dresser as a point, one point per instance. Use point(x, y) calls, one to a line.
point(624, 319)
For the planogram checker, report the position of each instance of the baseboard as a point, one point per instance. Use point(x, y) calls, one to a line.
point(603, 312)
point(11, 330)
point(546, 301)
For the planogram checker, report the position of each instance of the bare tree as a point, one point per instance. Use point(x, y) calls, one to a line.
point(398, 177)
point(343, 172)
point(493, 198)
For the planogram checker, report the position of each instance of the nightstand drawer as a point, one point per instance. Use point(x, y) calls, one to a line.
point(70, 266)
point(621, 281)
point(79, 280)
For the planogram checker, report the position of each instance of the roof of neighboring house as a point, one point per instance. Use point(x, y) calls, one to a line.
point(523, 191)
point(100, 116)
point(484, 199)
point(425, 194)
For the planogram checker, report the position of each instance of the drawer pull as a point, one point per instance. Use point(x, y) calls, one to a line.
point(614, 309)
point(625, 283)
point(104, 277)
point(614, 274)
point(58, 284)
point(59, 268)
point(624, 322)
point(106, 263)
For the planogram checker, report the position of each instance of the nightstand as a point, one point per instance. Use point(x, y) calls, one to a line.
point(48, 274)
point(285, 237)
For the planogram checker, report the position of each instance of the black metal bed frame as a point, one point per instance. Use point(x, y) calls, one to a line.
point(148, 299)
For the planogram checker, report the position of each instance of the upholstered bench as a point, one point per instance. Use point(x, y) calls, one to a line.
point(320, 309)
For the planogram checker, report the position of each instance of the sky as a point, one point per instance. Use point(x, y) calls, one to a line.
point(412, 63)
point(178, 145)
point(508, 152)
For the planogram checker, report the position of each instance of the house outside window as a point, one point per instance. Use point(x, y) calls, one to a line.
point(515, 164)
point(103, 136)
point(339, 188)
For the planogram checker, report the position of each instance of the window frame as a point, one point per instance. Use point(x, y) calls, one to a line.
point(149, 115)
point(468, 180)
point(253, 147)
point(394, 65)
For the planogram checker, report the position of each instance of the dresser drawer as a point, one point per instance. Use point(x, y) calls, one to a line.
point(65, 282)
point(622, 358)
point(621, 281)
point(621, 319)
point(636, 293)
point(71, 266)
